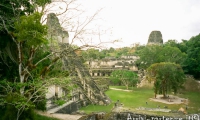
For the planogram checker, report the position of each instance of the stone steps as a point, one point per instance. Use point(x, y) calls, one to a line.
point(57, 108)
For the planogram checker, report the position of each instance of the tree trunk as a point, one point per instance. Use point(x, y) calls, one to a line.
point(164, 89)
point(21, 74)
point(164, 92)
point(127, 87)
point(155, 94)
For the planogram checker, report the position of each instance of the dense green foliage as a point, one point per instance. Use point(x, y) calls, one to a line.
point(192, 64)
point(11, 10)
point(155, 54)
point(14, 101)
point(29, 30)
point(18, 25)
point(33, 116)
point(191, 48)
point(22, 45)
point(182, 45)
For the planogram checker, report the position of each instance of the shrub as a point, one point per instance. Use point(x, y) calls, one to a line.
point(191, 84)
point(41, 105)
point(13, 108)
point(60, 102)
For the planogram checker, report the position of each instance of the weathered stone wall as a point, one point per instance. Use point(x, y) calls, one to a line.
point(155, 37)
point(53, 90)
point(126, 62)
point(111, 62)
point(103, 68)
point(55, 31)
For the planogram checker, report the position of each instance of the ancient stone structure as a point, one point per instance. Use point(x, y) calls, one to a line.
point(55, 31)
point(155, 37)
point(88, 88)
point(105, 66)
point(100, 70)
point(87, 91)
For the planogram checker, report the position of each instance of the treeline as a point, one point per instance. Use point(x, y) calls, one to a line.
point(185, 53)
point(92, 54)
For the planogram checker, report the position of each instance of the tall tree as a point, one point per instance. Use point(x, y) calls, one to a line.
point(166, 77)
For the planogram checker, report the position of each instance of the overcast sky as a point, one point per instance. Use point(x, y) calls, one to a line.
point(133, 20)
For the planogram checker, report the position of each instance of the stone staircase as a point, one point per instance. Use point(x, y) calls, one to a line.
point(52, 108)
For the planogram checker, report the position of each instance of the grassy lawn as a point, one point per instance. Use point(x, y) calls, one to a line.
point(138, 98)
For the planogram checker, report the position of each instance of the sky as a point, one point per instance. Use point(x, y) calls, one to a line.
point(131, 21)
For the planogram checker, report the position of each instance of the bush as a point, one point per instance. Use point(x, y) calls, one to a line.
point(60, 102)
point(13, 103)
point(41, 105)
point(191, 84)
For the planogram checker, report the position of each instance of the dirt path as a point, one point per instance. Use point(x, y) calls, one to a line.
point(60, 116)
point(121, 89)
point(171, 100)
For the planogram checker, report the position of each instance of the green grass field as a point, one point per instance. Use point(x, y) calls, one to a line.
point(138, 98)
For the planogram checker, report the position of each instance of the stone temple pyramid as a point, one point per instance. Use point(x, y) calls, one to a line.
point(88, 89)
